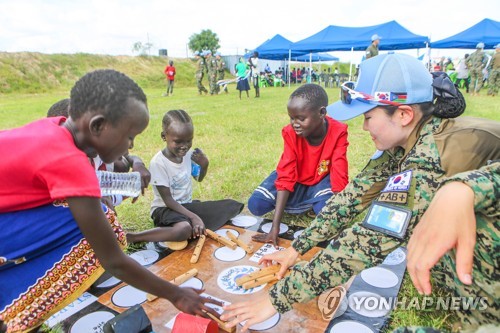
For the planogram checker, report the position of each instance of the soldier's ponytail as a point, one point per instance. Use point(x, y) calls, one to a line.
point(448, 100)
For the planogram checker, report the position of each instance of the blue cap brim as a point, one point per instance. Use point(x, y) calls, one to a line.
point(341, 111)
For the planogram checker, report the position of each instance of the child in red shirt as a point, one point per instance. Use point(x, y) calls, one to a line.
point(170, 73)
point(57, 238)
point(313, 165)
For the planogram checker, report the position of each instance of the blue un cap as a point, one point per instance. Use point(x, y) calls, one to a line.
point(389, 74)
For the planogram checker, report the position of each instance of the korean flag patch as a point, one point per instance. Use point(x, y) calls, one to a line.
point(399, 183)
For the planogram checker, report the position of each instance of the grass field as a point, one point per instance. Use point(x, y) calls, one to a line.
point(242, 139)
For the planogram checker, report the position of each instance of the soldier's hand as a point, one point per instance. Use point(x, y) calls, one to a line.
point(286, 258)
point(449, 223)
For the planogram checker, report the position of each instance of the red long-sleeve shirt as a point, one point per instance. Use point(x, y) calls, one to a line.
point(308, 165)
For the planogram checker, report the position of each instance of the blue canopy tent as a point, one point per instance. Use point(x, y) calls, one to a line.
point(336, 38)
point(315, 57)
point(486, 31)
point(276, 48)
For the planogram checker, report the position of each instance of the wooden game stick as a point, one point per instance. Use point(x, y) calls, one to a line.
point(261, 272)
point(227, 242)
point(184, 277)
point(248, 248)
point(197, 249)
point(260, 281)
point(222, 324)
point(177, 281)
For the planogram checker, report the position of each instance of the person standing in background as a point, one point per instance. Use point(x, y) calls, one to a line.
point(211, 64)
point(221, 68)
point(494, 68)
point(476, 63)
point(463, 73)
point(254, 66)
point(200, 70)
point(372, 50)
point(170, 73)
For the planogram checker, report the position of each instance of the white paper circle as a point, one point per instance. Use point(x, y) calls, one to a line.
point(267, 227)
point(223, 232)
point(379, 277)
point(369, 304)
point(112, 281)
point(193, 282)
point(350, 326)
point(227, 280)
point(162, 245)
point(396, 257)
point(89, 322)
point(298, 233)
point(128, 296)
point(265, 325)
point(145, 257)
point(244, 221)
point(227, 254)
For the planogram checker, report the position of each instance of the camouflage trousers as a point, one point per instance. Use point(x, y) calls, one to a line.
point(199, 83)
point(220, 76)
point(358, 248)
point(212, 81)
point(476, 79)
point(494, 82)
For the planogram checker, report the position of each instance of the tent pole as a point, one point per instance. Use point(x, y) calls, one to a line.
point(289, 60)
point(310, 67)
point(350, 64)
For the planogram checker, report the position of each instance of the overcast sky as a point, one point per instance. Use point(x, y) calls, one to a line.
point(113, 26)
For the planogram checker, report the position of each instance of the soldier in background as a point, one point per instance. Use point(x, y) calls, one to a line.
point(211, 64)
point(372, 50)
point(476, 63)
point(494, 69)
point(221, 68)
point(200, 70)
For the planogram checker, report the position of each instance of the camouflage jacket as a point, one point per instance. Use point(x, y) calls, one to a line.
point(440, 151)
point(477, 60)
point(200, 66)
point(221, 65)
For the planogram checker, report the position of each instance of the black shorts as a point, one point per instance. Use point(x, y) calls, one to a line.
point(213, 213)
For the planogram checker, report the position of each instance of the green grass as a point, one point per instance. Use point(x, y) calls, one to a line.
point(242, 139)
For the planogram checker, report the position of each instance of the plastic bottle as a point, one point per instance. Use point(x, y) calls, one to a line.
point(195, 170)
point(123, 183)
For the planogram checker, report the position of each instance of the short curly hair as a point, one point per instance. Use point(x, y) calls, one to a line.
point(106, 91)
point(59, 109)
point(315, 95)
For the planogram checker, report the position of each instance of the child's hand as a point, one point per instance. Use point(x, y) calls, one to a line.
point(271, 237)
point(198, 227)
point(108, 201)
point(189, 301)
point(199, 157)
point(145, 177)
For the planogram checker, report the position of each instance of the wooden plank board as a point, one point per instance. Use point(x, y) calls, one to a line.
point(303, 318)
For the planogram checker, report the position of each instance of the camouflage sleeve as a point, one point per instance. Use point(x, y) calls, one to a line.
point(356, 249)
point(343, 207)
point(485, 182)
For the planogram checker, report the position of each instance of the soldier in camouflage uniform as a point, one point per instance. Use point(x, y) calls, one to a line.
point(415, 158)
point(476, 63)
point(372, 50)
point(200, 70)
point(221, 69)
point(494, 68)
point(211, 63)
